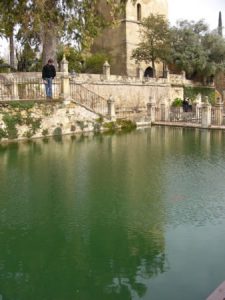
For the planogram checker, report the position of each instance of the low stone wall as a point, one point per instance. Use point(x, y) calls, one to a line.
point(130, 94)
point(34, 120)
point(127, 91)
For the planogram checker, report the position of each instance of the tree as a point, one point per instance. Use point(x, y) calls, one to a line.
point(11, 12)
point(154, 45)
point(26, 57)
point(48, 21)
point(196, 51)
point(73, 56)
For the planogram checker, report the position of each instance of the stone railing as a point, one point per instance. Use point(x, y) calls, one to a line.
point(202, 113)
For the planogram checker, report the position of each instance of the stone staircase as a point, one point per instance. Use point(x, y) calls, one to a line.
point(89, 99)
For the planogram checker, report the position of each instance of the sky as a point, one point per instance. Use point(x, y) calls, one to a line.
point(196, 10)
point(182, 9)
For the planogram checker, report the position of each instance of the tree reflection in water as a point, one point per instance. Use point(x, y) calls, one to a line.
point(67, 232)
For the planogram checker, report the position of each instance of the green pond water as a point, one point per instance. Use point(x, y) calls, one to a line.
point(138, 215)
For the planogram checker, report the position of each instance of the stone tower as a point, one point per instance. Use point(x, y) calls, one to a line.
point(120, 40)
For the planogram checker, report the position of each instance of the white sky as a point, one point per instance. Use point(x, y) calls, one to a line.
point(196, 10)
point(182, 9)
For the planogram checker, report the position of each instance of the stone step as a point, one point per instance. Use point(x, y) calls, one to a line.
point(219, 293)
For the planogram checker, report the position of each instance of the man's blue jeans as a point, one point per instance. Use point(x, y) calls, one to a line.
point(48, 87)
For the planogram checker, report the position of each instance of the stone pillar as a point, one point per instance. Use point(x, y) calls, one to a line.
point(219, 112)
point(198, 106)
point(14, 90)
point(64, 65)
point(151, 107)
point(106, 70)
point(65, 82)
point(166, 73)
point(183, 73)
point(206, 114)
point(164, 111)
point(223, 95)
point(140, 73)
point(111, 108)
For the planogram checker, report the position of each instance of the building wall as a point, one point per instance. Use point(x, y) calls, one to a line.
point(115, 46)
point(133, 30)
point(120, 41)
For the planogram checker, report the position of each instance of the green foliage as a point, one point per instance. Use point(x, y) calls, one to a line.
point(21, 105)
point(26, 57)
point(195, 50)
point(57, 131)
point(4, 67)
point(45, 132)
point(120, 124)
point(34, 123)
point(154, 45)
point(47, 21)
point(192, 92)
point(28, 134)
point(3, 133)
point(110, 126)
point(126, 124)
point(177, 102)
point(14, 119)
point(99, 120)
point(82, 125)
point(11, 121)
point(73, 56)
point(97, 127)
point(94, 64)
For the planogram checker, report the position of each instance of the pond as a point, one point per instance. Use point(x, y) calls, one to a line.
point(137, 215)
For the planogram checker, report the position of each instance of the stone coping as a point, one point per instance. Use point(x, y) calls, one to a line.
point(187, 125)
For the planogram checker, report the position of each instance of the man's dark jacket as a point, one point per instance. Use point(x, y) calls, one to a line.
point(48, 71)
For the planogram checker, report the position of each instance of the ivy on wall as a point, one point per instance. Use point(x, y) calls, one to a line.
point(13, 117)
point(192, 92)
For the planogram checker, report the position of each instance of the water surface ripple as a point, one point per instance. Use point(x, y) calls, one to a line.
point(138, 215)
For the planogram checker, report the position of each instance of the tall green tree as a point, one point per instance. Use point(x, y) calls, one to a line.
point(155, 38)
point(11, 12)
point(49, 21)
point(200, 53)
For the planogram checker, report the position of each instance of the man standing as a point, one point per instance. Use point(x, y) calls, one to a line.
point(48, 74)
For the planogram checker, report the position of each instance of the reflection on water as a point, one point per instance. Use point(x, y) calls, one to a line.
point(113, 217)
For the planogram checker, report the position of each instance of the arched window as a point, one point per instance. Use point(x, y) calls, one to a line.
point(139, 12)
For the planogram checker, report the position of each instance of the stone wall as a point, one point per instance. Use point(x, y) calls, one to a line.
point(127, 91)
point(131, 94)
point(35, 120)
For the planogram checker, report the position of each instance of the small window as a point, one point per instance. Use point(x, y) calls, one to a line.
point(139, 12)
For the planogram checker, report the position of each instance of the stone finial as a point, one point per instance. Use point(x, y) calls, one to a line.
point(218, 100)
point(223, 95)
point(111, 108)
point(206, 99)
point(106, 70)
point(183, 73)
point(166, 72)
point(198, 99)
point(64, 65)
point(106, 64)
